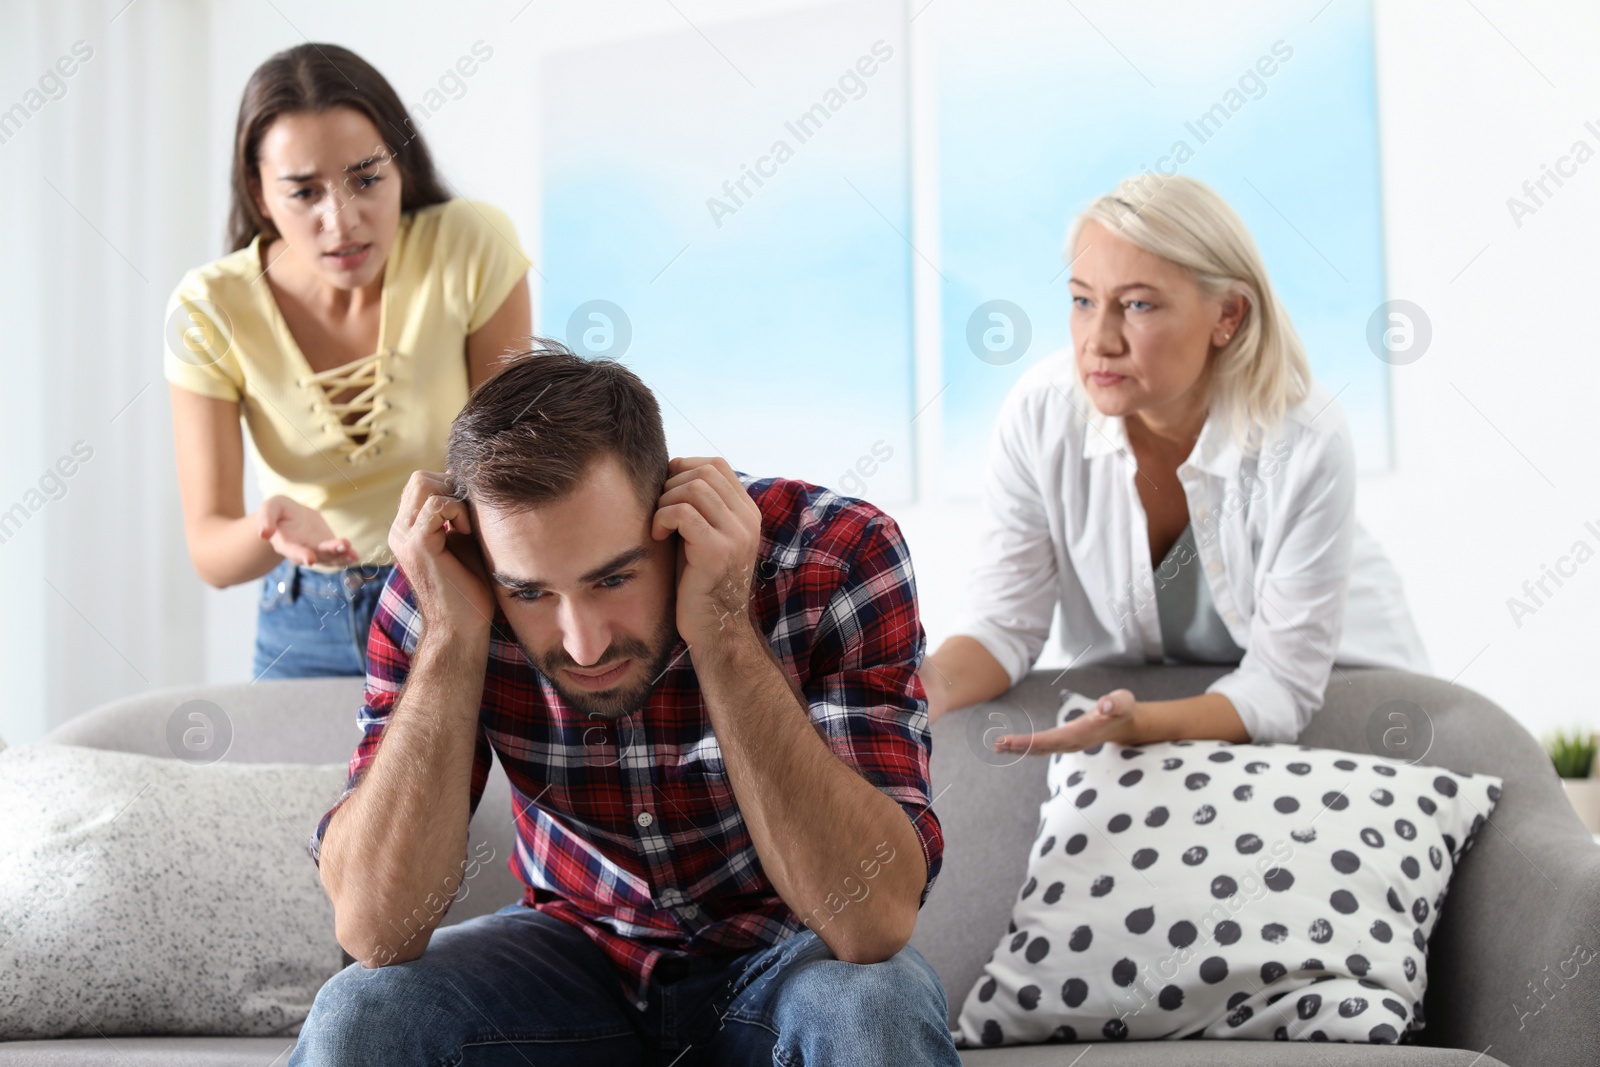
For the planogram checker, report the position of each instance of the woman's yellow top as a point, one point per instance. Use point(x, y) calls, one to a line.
point(449, 270)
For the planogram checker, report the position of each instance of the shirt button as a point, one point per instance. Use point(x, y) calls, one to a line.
point(644, 818)
point(283, 587)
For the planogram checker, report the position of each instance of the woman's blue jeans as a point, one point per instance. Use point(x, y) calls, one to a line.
point(520, 987)
point(312, 624)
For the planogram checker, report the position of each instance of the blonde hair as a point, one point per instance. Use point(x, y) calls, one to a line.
point(1262, 371)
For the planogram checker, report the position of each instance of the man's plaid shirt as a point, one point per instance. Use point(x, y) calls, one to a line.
point(629, 828)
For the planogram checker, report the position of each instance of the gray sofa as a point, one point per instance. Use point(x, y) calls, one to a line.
point(1526, 894)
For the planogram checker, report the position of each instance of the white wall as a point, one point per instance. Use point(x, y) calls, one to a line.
point(1496, 443)
point(1494, 474)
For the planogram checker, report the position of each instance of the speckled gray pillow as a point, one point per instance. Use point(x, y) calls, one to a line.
point(146, 896)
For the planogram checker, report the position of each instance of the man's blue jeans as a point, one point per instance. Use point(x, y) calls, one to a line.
point(520, 988)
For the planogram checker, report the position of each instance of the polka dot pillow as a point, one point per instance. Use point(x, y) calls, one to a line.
point(1207, 889)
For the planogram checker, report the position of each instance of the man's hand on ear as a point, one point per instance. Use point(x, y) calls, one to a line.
point(431, 540)
point(720, 537)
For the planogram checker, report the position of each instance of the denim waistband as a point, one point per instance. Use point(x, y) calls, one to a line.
point(294, 580)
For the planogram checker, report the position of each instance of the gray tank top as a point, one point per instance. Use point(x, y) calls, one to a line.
point(1191, 629)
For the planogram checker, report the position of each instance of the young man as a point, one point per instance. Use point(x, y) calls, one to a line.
point(703, 690)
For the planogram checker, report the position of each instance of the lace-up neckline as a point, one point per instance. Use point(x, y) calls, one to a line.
point(368, 375)
point(354, 419)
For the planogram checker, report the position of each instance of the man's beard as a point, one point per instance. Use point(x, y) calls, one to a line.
point(615, 702)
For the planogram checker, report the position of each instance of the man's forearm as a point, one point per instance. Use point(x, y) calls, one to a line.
point(393, 850)
point(825, 835)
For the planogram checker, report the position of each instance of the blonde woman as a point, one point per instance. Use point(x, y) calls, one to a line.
point(359, 305)
point(1181, 488)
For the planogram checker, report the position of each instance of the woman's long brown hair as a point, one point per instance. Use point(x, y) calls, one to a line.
point(316, 77)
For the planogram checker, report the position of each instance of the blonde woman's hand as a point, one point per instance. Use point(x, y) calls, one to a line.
point(1111, 719)
point(301, 534)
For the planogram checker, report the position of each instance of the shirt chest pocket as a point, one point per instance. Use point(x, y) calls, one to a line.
point(701, 764)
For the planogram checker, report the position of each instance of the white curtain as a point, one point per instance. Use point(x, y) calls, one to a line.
point(105, 170)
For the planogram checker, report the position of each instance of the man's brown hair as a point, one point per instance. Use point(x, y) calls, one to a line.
point(527, 435)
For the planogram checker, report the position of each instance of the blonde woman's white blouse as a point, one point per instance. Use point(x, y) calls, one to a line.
point(1299, 584)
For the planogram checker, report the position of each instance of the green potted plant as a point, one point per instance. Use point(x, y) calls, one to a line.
point(1572, 752)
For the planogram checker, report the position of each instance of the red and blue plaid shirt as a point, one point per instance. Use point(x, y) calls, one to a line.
point(629, 828)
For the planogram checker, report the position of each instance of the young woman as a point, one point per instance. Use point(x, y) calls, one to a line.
point(359, 305)
point(1181, 488)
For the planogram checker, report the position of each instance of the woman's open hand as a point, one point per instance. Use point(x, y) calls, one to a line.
point(1111, 719)
point(301, 534)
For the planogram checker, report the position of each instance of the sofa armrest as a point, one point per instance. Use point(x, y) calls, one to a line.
point(1514, 964)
